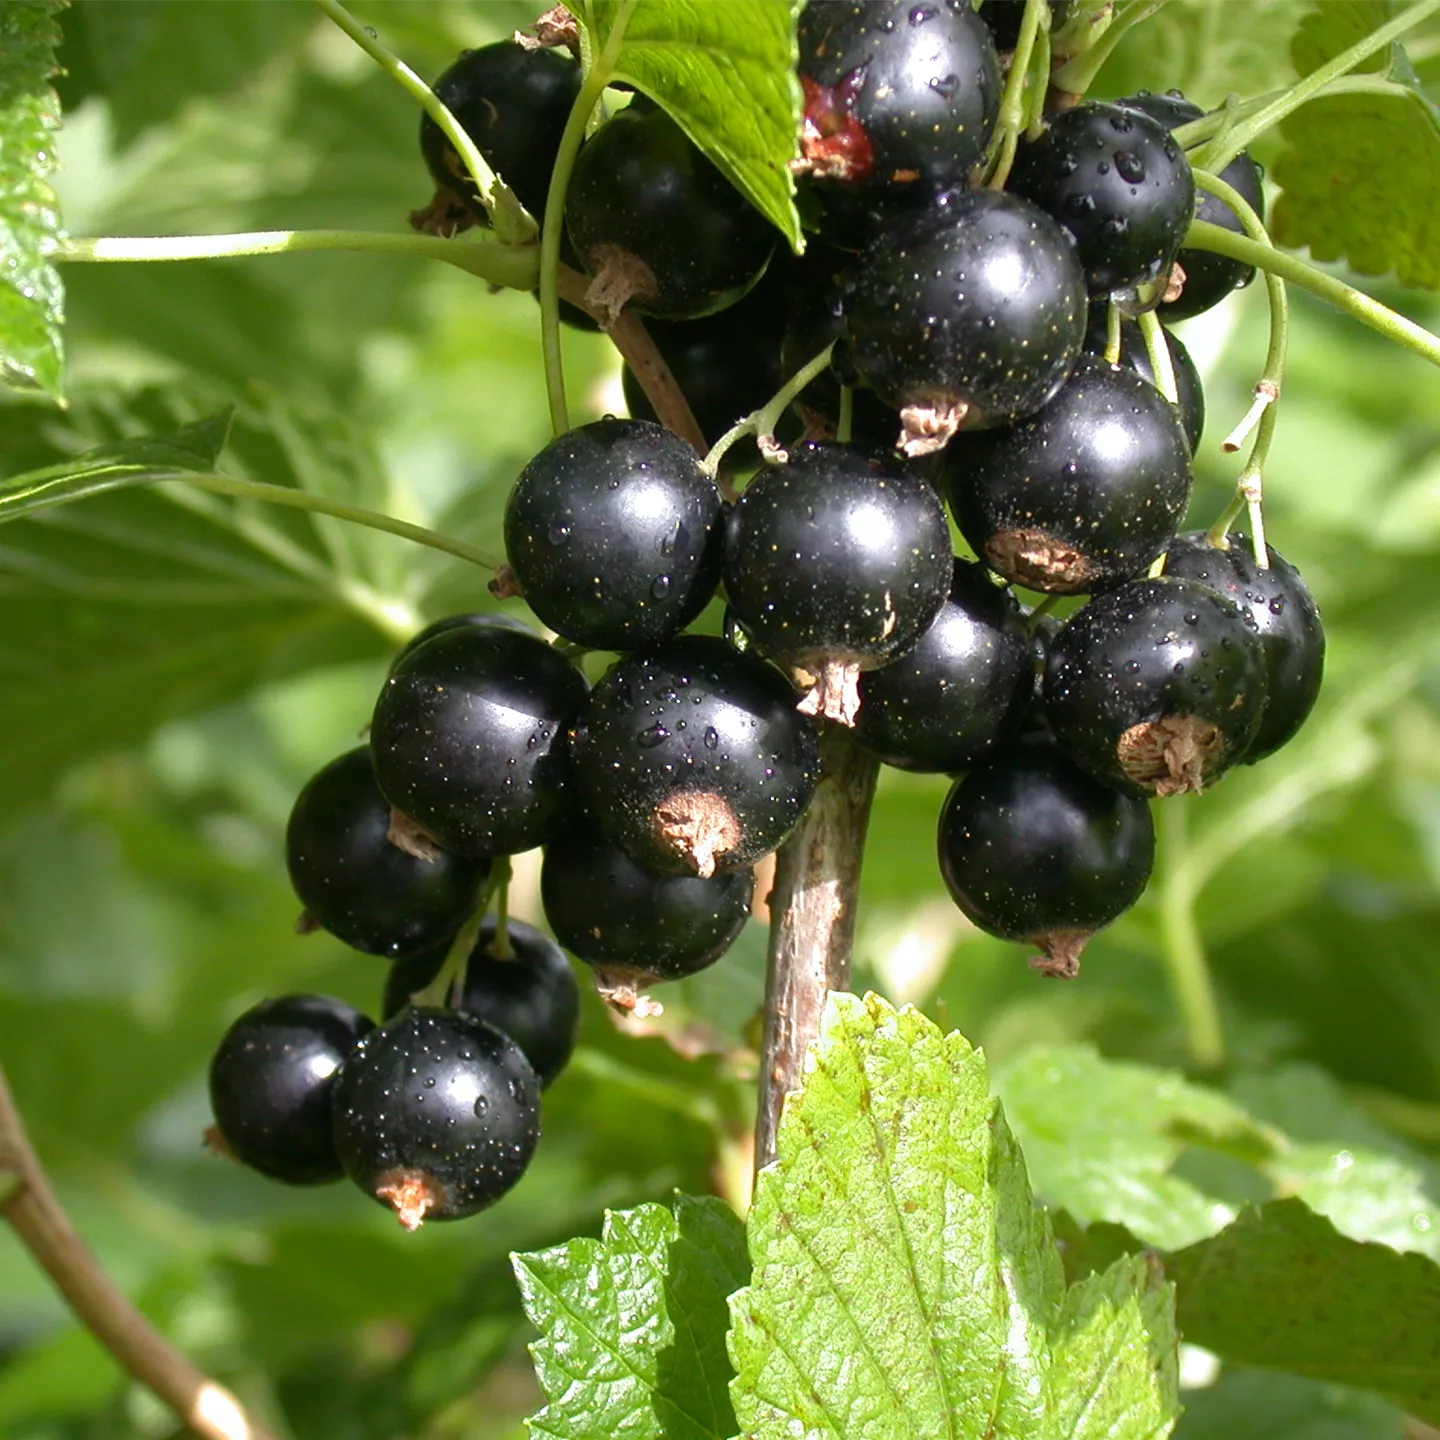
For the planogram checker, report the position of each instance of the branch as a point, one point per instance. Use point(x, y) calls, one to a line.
point(30, 1207)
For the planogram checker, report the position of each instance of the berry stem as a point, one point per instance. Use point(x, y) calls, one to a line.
point(812, 921)
point(1113, 320)
point(501, 948)
point(1158, 349)
point(1184, 951)
point(845, 421)
point(1078, 73)
point(30, 1208)
point(1012, 120)
point(762, 422)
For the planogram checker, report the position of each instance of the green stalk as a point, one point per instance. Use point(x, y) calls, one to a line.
point(1156, 347)
point(1006, 138)
point(1184, 951)
point(761, 423)
point(1113, 322)
point(1077, 75)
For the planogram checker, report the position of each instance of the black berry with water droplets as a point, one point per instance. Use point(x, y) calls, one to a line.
point(1118, 183)
point(1189, 392)
point(1157, 687)
point(836, 563)
point(1284, 612)
point(1081, 496)
point(614, 533)
point(468, 737)
point(479, 619)
point(635, 927)
point(950, 697)
point(271, 1083)
point(357, 885)
point(436, 1115)
point(1031, 848)
point(692, 757)
point(1004, 18)
point(968, 313)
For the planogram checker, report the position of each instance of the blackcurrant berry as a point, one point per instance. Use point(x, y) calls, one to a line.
point(613, 531)
point(1031, 848)
point(468, 738)
point(1285, 613)
point(952, 695)
point(436, 1115)
point(969, 313)
point(835, 563)
point(899, 96)
point(1157, 687)
point(633, 926)
point(1118, 183)
point(1189, 392)
point(359, 886)
point(1082, 495)
point(482, 618)
point(692, 757)
point(1004, 17)
point(658, 225)
point(271, 1082)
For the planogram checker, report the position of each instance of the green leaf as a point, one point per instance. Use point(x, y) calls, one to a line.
point(32, 299)
point(633, 1324)
point(726, 73)
point(1282, 1289)
point(905, 1283)
point(1262, 1405)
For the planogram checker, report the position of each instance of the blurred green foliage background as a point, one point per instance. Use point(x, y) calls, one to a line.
point(171, 671)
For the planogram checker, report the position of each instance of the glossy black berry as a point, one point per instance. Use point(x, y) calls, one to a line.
point(632, 925)
point(658, 225)
point(1082, 495)
point(355, 883)
point(953, 694)
point(899, 96)
point(1157, 687)
point(271, 1082)
point(1004, 16)
point(1284, 612)
point(1209, 277)
point(969, 313)
point(1031, 848)
point(1118, 183)
point(613, 531)
point(468, 737)
point(1189, 392)
point(693, 758)
point(836, 563)
point(496, 619)
point(436, 1115)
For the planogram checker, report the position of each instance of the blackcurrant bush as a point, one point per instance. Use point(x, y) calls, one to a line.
point(359, 886)
point(658, 225)
point(468, 737)
point(1157, 687)
point(1004, 17)
point(692, 757)
point(953, 694)
point(1082, 495)
point(899, 96)
point(436, 1115)
point(1031, 848)
point(614, 534)
point(633, 926)
point(1286, 616)
point(1189, 392)
point(1118, 183)
point(836, 563)
point(969, 312)
point(271, 1082)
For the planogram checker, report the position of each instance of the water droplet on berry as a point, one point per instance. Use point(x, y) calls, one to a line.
point(654, 735)
point(660, 587)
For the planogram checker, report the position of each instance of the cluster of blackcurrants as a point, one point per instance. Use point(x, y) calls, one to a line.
point(970, 326)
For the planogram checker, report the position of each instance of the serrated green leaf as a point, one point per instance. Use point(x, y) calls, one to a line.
point(726, 73)
point(906, 1285)
point(1334, 26)
point(32, 299)
point(633, 1324)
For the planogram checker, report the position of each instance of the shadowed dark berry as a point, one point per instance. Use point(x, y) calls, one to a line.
point(1134, 356)
point(1285, 613)
point(497, 619)
point(271, 1082)
point(436, 1115)
point(613, 532)
point(658, 225)
point(1082, 495)
point(1031, 848)
point(969, 313)
point(1209, 277)
point(1118, 183)
point(900, 96)
point(633, 926)
point(950, 697)
point(1004, 17)
point(468, 738)
point(692, 757)
point(835, 563)
point(1157, 687)
point(355, 883)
